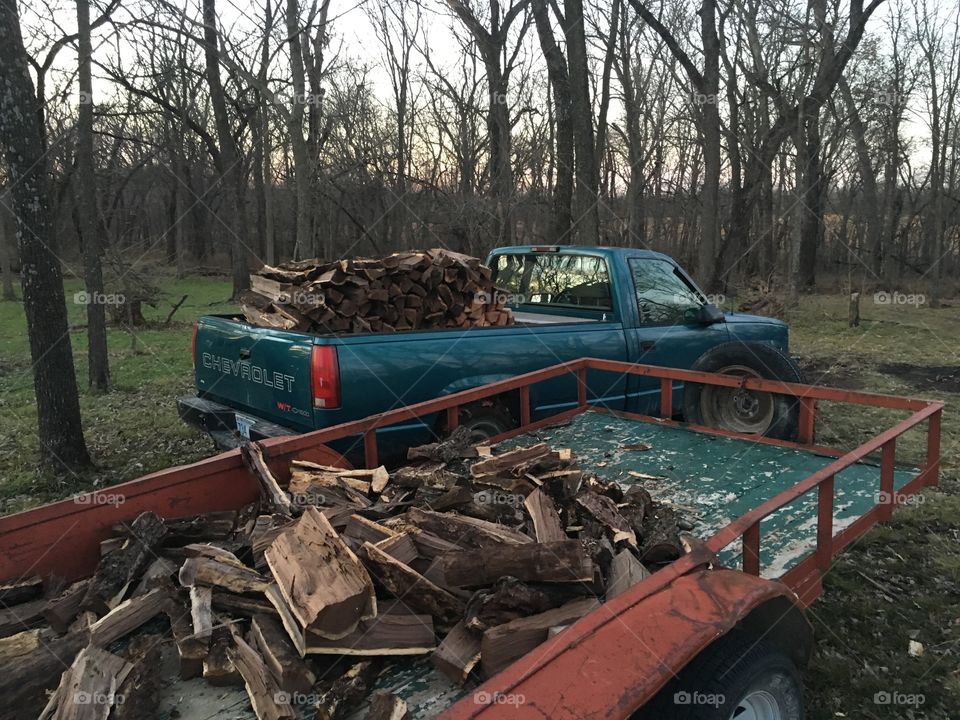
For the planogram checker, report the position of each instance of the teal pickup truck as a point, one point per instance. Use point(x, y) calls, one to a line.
point(569, 302)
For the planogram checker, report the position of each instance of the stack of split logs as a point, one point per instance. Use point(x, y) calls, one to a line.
point(464, 556)
point(403, 291)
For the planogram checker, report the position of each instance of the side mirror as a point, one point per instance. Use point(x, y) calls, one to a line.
point(710, 314)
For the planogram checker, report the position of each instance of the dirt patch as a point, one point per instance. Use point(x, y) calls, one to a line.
point(846, 373)
point(944, 378)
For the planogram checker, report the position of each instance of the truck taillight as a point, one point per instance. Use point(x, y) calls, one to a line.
point(325, 377)
point(193, 348)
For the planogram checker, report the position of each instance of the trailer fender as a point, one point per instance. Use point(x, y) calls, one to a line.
point(614, 660)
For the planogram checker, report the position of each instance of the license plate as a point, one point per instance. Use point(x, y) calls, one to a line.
point(244, 424)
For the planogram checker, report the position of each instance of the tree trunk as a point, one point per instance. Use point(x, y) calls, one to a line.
point(229, 155)
point(811, 204)
point(560, 85)
point(586, 217)
point(54, 379)
point(8, 253)
point(97, 357)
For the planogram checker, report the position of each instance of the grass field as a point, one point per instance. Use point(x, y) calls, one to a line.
point(900, 583)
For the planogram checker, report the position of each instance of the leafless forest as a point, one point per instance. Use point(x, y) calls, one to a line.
point(748, 138)
point(778, 144)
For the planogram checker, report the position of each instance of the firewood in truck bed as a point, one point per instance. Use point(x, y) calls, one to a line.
point(417, 290)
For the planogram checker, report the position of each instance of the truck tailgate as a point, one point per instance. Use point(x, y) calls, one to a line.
point(264, 371)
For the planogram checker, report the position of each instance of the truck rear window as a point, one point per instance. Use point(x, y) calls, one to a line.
point(573, 281)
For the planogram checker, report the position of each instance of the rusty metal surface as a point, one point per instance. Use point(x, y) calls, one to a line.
point(615, 659)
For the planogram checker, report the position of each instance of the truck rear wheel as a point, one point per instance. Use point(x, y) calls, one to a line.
point(485, 421)
point(745, 411)
point(737, 678)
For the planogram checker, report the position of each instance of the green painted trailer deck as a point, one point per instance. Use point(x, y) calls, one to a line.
point(711, 479)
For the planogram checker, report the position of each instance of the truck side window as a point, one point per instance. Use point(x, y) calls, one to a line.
point(559, 280)
point(663, 296)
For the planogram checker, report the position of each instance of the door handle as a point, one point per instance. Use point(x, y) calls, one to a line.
point(647, 344)
point(245, 354)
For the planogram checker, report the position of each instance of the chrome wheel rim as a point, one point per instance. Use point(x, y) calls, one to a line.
point(757, 705)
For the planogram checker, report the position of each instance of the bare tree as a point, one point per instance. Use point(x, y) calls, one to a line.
point(62, 446)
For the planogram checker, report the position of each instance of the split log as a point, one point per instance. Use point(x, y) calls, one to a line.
point(394, 631)
point(265, 531)
point(509, 599)
point(346, 692)
point(191, 649)
point(14, 592)
point(63, 609)
point(604, 511)
point(458, 654)
point(279, 655)
point(157, 575)
point(400, 547)
point(410, 586)
point(22, 643)
point(503, 644)
point(323, 584)
point(140, 687)
point(127, 617)
point(211, 572)
point(387, 706)
point(361, 530)
point(466, 531)
point(122, 567)
point(89, 691)
point(23, 681)
point(25, 616)
point(265, 697)
point(558, 562)
point(515, 462)
point(232, 605)
point(625, 572)
point(274, 499)
point(201, 611)
point(218, 666)
point(543, 514)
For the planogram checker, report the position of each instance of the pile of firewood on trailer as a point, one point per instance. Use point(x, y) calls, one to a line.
point(469, 557)
point(404, 291)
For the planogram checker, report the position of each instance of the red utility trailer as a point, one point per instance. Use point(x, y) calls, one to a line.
point(666, 642)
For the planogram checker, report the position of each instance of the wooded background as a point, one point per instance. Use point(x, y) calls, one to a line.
point(748, 138)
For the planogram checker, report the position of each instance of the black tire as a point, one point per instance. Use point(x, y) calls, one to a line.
point(486, 421)
point(776, 416)
point(733, 675)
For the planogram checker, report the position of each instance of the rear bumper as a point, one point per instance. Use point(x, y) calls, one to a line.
point(220, 421)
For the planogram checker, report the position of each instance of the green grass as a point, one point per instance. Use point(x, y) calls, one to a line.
point(130, 431)
point(901, 582)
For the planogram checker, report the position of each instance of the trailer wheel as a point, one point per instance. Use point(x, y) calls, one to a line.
point(737, 678)
point(486, 421)
point(745, 411)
